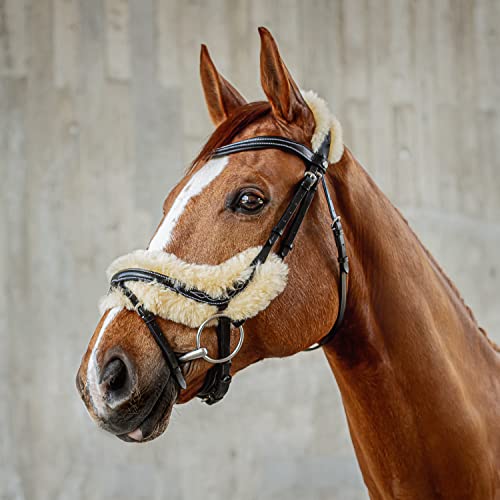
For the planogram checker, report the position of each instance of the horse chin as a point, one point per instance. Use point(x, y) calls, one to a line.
point(156, 421)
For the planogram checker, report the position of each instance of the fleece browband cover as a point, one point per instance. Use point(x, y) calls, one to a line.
point(268, 281)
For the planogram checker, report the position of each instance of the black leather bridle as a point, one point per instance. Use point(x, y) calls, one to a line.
point(218, 378)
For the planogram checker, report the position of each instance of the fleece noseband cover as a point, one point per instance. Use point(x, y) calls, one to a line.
point(267, 282)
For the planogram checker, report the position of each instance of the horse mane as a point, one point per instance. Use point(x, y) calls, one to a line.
point(235, 123)
point(452, 285)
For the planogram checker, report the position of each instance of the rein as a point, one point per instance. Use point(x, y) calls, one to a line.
point(218, 378)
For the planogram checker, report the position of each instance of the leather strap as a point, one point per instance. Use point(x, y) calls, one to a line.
point(191, 293)
point(156, 332)
point(318, 160)
point(305, 186)
point(343, 260)
point(287, 243)
point(218, 378)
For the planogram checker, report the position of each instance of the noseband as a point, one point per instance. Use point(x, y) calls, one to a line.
point(218, 378)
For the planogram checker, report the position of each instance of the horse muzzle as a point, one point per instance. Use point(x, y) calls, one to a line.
point(124, 404)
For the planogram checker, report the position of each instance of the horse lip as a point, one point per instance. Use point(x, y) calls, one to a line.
point(136, 435)
point(156, 420)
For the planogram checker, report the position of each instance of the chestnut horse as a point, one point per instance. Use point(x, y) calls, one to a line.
point(419, 378)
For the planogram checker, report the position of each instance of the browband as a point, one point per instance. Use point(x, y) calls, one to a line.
point(319, 159)
point(218, 377)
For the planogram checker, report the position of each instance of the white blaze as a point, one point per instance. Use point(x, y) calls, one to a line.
point(194, 187)
point(92, 379)
point(198, 182)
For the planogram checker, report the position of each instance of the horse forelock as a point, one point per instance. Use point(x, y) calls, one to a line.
point(240, 119)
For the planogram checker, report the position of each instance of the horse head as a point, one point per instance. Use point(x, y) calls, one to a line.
point(207, 258)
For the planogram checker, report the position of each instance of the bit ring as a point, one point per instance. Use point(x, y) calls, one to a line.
point(206, 357)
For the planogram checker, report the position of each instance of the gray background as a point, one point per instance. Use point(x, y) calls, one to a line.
point(100, 111)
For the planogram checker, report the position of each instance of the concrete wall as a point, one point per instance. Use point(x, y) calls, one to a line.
point(101, 109)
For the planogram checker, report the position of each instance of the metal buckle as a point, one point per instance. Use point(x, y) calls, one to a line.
point(335, 225)
point(311, 175)
point(320, 161)
point(202, 352)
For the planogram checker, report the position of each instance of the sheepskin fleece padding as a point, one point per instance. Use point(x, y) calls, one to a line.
point(325, 121)
point(268, 281)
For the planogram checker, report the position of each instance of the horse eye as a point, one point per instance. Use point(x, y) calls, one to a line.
point(249, 202)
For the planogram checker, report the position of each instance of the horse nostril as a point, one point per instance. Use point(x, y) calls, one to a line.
point(116, 380)
point(114, 374)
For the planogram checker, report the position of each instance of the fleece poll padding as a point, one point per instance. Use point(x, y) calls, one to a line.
point(325, 122)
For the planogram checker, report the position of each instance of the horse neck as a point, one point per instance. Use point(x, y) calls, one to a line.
point(409, 349)
point(394, 280)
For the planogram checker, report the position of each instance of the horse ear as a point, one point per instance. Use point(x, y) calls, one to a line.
point(283, 93)
point(221, 97)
